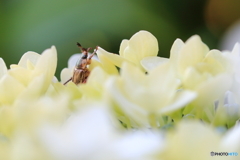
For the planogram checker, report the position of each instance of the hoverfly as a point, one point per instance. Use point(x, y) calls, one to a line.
point(81, 71)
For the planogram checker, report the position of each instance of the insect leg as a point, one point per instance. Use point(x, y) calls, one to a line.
point(67, 81)
point(95, 50)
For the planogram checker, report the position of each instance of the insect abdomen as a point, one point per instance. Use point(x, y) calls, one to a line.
point(80, 76)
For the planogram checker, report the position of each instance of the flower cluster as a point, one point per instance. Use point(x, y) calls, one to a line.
point(134, 105)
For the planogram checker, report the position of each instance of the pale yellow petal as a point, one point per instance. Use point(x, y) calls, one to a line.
point(10, 88)
point(191, 140)
point(94, 86)
point(7, 116)
point(5, 149)
point(163, 78)
point(114, 58)
point(23, 75)
point(150, 91)
point(98, 75)
point(181, 99)
point(29, 56)
point(3, 68)
point(94, 63)
point(216, 62)
point(150, 63)
point(135, 86)
point(132, 110)
point(141, 44)
point(46, 65)
point(65, 75)
point(176, 48)
point(191, 53)
point(192, 78)
point(133, 76)
point(106, 64)
point(12, 66)
point(212, 89)
point(30, 65)
point(35, 88)
point(123, 46)
point(54, 80)
point(230, 140)
point(236, 50)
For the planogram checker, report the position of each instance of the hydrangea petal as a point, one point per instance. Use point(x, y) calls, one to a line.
point(94, 88)
point(29, 56)
point(98, 75)
point(150, 63)
point(30, 65)
point(192, 78)
point(163, 80)
point(191, 53)
point(216, 62)
point(114, 58)
point(21, 74)
point(46, 65)
point(107, 65)
point(47, 62)
point(65, 75)
point(141, 44)
point(236, 49)
point(191, 141)
point(94, 63)
point(81, 126)
point(38, 86)
point(123, 46)
point(139, 145)
point(10, 88)
point(181, 100)
point(133, 77)
point(132, 110)
point(176, 48)
point(3, 68)
point(212, 90)
point(230, 140)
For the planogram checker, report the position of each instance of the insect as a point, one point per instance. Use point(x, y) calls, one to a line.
point(81, 71)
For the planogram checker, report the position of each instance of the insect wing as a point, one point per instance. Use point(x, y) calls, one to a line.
point(78, 76)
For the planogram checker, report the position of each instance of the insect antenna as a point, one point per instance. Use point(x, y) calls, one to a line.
point(80, 46)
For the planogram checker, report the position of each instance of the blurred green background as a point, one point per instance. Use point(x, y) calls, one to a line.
point(34, 25)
